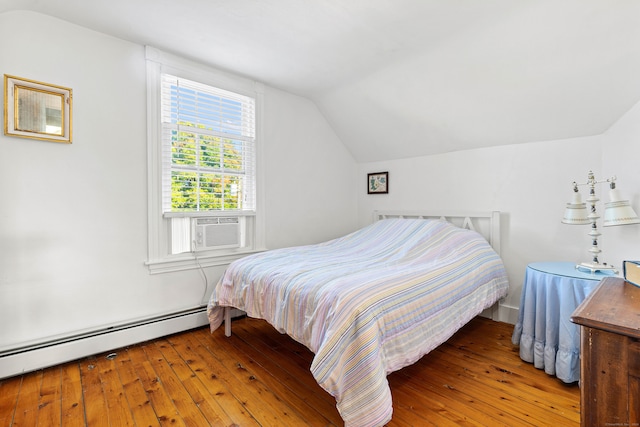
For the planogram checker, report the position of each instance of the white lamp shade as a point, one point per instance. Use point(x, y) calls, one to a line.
point(619, 213)
point(576, 212)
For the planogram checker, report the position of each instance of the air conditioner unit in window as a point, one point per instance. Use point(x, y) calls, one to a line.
point(215, 233)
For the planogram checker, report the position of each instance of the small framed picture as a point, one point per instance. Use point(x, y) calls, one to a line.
point(37, 110)
point(378, 183)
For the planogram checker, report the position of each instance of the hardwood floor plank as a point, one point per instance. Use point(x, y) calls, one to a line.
point(209, 375)
point(138, 401)
point(273, 341)
point(257, 335)
point(72, 398)
point(96, 413)
point(485, 381)
point(9, 390)
point(26, 412)
point(50, 404)
point(247, 387)
point(300, 384)
point(261, 378)
point(176, 391)
point(411, 408)
point(532, 383)
point(119, 413)
point(448, 402)
point(486, 340)
point(181, 365)
point(505, 367)
point(166, 412)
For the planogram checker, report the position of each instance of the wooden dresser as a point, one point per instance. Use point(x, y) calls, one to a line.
point(609, 322)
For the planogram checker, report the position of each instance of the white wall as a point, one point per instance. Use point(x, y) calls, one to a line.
point(621, 157)
point(73, 217)
point(530, 184)
point(312, 199)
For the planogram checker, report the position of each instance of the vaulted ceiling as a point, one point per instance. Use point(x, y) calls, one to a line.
point(403, 78)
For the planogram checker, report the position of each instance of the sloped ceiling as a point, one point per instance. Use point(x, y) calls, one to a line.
point(403, 78)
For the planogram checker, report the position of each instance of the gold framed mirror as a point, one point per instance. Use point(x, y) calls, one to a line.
point(37, 110)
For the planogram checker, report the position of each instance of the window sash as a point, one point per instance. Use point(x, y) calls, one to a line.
point(208, 154)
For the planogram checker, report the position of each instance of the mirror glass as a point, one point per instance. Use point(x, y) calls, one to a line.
point(39, 111)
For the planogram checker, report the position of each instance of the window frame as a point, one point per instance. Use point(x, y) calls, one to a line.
point(212, 131)
point(160, 259)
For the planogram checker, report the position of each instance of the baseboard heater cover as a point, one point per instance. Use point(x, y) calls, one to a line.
point(27, 359)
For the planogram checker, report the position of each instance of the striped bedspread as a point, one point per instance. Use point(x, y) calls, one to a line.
point(368, 303)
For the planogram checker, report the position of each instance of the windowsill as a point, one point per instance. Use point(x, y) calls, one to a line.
point(188, 261)
point(200, 214)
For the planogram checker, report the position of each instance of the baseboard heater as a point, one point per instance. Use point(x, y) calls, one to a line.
point(33, 357)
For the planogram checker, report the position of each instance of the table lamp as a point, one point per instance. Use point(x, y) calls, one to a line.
point(616, 212)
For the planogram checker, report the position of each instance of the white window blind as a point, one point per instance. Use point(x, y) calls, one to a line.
point(208, 148)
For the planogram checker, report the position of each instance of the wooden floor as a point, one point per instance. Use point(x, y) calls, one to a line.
point(261, 378)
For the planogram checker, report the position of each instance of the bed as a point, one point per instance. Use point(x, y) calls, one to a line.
point(371, 302)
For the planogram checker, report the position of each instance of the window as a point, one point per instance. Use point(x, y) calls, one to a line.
point(203, 163)
point(208, 139)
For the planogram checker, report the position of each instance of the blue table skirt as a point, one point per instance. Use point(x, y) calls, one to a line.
point(544, 331)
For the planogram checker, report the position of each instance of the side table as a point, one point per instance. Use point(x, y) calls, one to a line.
point(547, 337)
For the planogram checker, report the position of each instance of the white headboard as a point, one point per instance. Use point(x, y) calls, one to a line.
point(485, 223)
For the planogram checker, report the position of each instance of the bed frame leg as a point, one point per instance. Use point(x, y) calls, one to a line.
point(227, 321)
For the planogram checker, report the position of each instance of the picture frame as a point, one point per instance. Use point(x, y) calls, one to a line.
point(378, 183)
point(37, 110)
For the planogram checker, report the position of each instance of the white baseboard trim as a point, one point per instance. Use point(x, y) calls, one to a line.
point(19, 361)
point(508, 314)
point(502, 313)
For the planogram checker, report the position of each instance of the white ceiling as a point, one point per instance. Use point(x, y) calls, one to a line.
point(402, 78)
